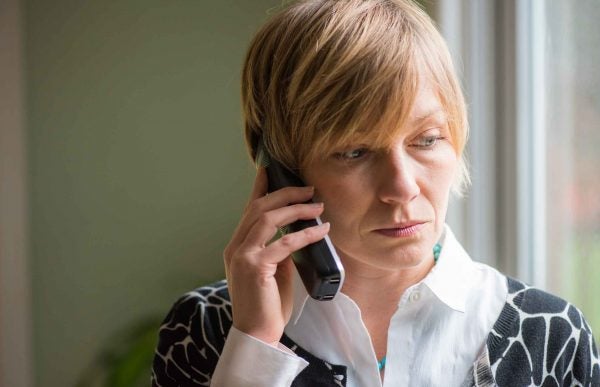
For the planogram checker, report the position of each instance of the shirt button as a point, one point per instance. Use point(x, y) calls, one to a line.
point(415, 296)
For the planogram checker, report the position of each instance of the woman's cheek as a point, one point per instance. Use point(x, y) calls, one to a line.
point(339, 208)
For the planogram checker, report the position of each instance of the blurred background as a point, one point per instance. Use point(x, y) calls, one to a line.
point(123, 170)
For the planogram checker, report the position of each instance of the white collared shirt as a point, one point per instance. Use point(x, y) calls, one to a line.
point(436, 334)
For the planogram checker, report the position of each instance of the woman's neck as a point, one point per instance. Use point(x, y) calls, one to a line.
point(378, 290)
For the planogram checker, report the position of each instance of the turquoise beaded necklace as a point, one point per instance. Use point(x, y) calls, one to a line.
point(381, 363)
point(437, 249)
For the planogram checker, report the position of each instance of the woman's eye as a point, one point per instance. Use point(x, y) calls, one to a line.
point(427, 141)
point(351, 154)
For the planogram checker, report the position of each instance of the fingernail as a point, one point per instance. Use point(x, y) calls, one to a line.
point(310, 188)
point(319, 204)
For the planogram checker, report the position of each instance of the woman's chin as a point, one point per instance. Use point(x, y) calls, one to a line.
point(389, 258)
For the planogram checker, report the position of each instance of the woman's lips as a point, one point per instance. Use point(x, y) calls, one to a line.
point(401, 232)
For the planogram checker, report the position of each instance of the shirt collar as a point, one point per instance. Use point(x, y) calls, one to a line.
point(449, 280)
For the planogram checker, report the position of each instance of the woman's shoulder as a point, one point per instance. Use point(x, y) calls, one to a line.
point(192, 336)
point(540, 336)
point(211, 295)
point(525, 302)
point(208, 306)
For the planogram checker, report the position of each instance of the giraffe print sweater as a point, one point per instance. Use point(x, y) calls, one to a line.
point(537, 340)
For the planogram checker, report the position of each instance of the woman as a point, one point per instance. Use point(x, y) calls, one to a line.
point(360, 98)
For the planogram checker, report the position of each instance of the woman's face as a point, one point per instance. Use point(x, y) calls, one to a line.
point(387, 207)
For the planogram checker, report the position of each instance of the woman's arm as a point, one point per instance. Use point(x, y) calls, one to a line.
point(199, 347)
point(257, 301)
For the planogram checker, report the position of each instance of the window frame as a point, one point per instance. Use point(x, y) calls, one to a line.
point(498, 49)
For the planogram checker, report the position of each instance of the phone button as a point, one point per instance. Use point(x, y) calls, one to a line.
point(415, 296)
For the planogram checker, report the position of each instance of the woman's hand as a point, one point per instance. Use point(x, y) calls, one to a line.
point(259, 273)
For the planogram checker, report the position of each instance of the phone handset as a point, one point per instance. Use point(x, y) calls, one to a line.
point(318, 263)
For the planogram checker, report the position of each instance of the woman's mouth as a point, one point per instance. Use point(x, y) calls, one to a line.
point(402, 231)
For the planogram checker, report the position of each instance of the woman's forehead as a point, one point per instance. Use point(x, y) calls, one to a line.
point(427, 103)
point(436, 114)
point(426, 107)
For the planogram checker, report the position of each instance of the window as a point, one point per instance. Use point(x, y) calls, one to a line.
point(572, 151)
point(530, 71)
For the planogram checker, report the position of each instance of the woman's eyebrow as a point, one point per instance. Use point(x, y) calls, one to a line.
point(437, 114)
point(430, 114)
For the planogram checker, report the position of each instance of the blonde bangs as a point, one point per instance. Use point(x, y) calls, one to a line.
point(373, 115)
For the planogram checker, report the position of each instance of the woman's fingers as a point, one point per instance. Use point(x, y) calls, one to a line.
point(260, 203)
point(278, 199)
point(269, 222)
point(264, 214)
point(259, 200)
point(289, 243)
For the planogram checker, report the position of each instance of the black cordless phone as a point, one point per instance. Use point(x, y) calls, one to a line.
point(318, 263)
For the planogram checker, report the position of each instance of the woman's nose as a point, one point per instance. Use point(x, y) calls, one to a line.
point(398, 178)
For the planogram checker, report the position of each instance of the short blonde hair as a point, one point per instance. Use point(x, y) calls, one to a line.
point(322, 73)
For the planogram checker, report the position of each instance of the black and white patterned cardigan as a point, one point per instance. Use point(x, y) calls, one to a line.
point(538, 339)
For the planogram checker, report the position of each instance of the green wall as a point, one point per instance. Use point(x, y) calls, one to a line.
point(137, 166)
